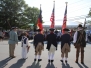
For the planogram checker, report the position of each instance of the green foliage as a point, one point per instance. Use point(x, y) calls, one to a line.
point(17, 13)
point(89, 15)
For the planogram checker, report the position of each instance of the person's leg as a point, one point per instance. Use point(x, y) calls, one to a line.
point(82, 55)
point(52, 55)
point(66, 55)
point(77, 53)
point(40, 51)
point(22, 52)
point(49, 56)
point(13, 49)
point(36, 52)
point(10, 50)
point(25, 52)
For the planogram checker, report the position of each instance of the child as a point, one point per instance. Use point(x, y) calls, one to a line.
point(25, 46)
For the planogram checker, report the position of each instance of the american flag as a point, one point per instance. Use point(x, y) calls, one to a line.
point(52, 18)
point(65, 19)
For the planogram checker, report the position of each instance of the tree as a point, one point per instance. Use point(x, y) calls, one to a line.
point(17, 13)
point(89, 15)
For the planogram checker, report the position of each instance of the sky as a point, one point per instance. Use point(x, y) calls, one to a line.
point(77, 10)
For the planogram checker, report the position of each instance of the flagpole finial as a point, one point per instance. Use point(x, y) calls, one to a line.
point(66, 3)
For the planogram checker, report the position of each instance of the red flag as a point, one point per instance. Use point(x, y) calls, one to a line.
point(52, 17)
point(39, 23)
point(65, 19)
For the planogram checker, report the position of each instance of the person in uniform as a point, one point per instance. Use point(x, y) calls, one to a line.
point(65, 44)
point(13, 40)
point(38, 44)
point(51, 44)
point(25, 46)
point(79, 41)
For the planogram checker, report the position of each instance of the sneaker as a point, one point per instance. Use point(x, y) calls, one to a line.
point(76, 61)
point(13, 56)
point(61, 61)
point(39, 60)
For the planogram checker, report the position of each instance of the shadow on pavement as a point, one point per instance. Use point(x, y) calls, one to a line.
point(18, 64)
point(34, 65)
point(80, 66)
point(66, 65)
point(50, 65)
point(4, 62)
point(85, 66)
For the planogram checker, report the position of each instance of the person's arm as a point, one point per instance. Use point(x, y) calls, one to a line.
point(75, 37)
point(27, 43)
point(86, 38)
point(34, 40)
point(16, 38)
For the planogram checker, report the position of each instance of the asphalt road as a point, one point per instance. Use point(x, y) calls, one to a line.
point(6, 62)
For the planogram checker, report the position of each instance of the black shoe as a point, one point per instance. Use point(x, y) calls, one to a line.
point(65, 61)
point(34, 59)
point(52, 61)
point(13, 56)
point(76, 61)
point(39, 60)
point(49, 61)
point(82, 62)
point(61, 61)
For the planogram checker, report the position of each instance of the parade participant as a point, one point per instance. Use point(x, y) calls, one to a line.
point(65, 44)
point(1, 35)
point(13, 40)
point(25, 46)
point(39, 45)
point(51, 44)
point(80, 42)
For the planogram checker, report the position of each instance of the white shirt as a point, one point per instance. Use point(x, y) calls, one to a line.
point(75, 37)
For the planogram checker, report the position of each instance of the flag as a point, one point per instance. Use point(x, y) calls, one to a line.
point(65, 19)
point(52, 17)
point(39, 22)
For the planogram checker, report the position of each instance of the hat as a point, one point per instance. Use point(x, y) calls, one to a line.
point(14, 27)
point(38, 30)
point(80, 25)
point(51, 29)
point(65, 29)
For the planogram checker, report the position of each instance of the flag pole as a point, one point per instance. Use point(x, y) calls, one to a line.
point(85, 23)
point(66, 3)
point(54, 12)
point(65, 18)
